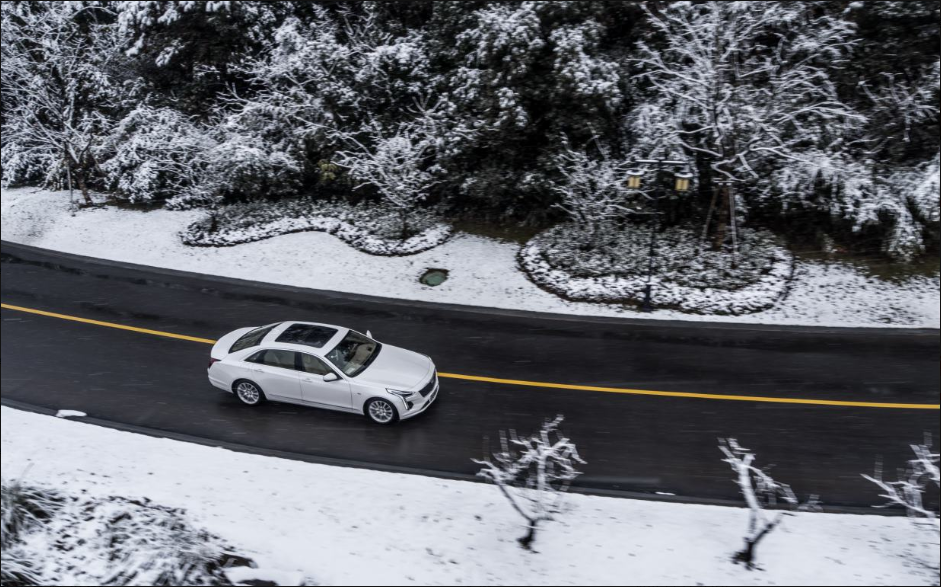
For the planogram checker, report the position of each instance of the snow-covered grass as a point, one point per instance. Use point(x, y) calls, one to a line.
point(76, 539)
point(614, 269)
point(482, 271)
point(352, 527)
point(374, 229)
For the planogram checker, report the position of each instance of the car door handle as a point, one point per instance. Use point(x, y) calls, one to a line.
point(307, 380)
point(258, 370)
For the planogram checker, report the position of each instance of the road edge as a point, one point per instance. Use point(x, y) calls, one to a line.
point(461, 308)
point(402, 470)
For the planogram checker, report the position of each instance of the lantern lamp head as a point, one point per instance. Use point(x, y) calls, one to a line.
point(634, 178)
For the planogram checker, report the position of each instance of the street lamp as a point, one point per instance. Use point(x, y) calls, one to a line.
point(682, 181)
point(634, 179)
point(681, 184)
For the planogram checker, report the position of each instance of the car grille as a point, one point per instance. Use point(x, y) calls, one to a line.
point(424, 391)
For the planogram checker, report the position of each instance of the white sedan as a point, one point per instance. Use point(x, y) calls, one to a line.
point(323, 366)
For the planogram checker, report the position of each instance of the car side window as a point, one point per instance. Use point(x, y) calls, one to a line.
point(274, 358)
point(311, 364)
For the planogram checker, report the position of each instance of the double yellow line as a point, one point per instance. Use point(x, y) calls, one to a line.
point(538, 384)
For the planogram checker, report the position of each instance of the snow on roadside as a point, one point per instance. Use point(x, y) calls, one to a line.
point(483, 271)
point(353, 527)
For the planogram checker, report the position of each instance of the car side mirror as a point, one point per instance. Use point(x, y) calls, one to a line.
point(330, 377)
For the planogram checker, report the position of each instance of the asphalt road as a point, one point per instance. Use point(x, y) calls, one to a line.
point(632, 443)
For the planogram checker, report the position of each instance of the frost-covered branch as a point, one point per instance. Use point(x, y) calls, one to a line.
point(397, 161)
point(908, 492)
point(533, 473)
point(593, 191)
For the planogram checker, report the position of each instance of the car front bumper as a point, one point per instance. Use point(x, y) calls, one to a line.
point(418, 408)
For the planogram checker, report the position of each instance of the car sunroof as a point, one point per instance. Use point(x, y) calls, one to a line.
point(307, 335)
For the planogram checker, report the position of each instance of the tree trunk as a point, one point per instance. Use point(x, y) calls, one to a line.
point(84, 187)
point(527, 541)
point(722, 218)
point(68, 174)
point(709, 215)
point(747, 554)
point(403, 215)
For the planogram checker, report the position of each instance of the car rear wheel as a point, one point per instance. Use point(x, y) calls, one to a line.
point(249, 393)
point(381, 411)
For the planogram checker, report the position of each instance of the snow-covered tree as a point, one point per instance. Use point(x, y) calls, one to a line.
point(397, 162)
point(909, 490)
point(524, 75)
point(332, 77)
point(187, 52)
point(920, 478)
point(745, 87)
point(141, 21)
point(61, 65)
point(593, 190)
point(533, 473)
point(760, 492)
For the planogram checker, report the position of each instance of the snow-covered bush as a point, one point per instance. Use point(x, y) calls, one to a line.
point(901, 204)
point(760, 492)
point(246, 165)
point(22, 510)
point(82, 540)
point(371, 228)
point(613, 268)
point(156, 154)
point(533, 473)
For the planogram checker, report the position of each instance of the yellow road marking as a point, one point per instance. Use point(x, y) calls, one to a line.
point(644, 392)
point(107, 324)
point(736, 398)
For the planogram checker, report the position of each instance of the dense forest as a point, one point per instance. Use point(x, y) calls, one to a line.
point(816, 120)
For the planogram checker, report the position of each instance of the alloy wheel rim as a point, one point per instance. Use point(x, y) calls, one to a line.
point(248, 393)
point(381, 411)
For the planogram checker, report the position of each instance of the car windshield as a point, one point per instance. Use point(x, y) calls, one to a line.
point(354, 353)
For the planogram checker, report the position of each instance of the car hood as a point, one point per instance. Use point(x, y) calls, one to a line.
point(397, 368)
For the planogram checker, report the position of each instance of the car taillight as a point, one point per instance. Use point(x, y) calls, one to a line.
point(212, 362)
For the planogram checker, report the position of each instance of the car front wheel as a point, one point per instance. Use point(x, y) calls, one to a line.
point(249, 393)
point(381, 411)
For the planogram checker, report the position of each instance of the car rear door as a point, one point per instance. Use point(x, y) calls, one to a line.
point(315, 390)
point(274, 371)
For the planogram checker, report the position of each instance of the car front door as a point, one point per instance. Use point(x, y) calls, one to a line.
point(315, 390)
point(274, 371)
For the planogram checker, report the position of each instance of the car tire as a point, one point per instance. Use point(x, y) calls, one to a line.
point(248, 392)
point(381, 411)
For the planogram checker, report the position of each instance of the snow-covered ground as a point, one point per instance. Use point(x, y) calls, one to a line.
point(342, 526)
point(483, 271)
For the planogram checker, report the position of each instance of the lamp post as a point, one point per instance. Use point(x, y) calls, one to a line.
point(681, 184)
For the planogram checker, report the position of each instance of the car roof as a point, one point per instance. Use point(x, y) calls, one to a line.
point(272, 338)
